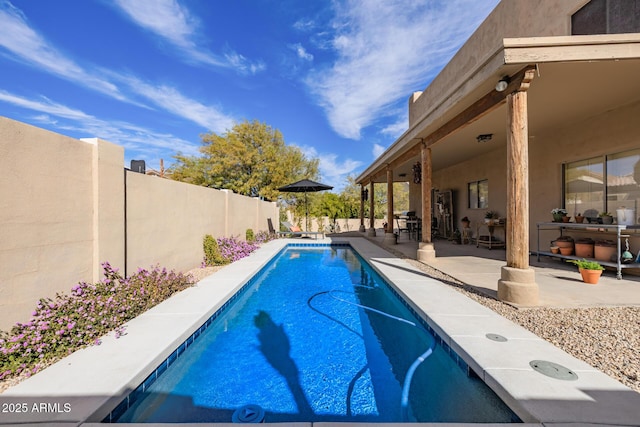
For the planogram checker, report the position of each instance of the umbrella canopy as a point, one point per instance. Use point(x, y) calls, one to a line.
point(305, 186)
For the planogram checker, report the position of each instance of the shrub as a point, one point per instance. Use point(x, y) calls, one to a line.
point(250, 236)
point(264, 237)
point(68, 322)
point(232, 249)
point(212, 255)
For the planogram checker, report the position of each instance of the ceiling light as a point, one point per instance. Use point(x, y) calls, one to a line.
point(484, 137)
point(502, 84)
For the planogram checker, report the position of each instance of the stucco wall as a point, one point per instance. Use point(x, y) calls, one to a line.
point(609, 133)
point(510, 18)
point(62, 213)
point(46, 209)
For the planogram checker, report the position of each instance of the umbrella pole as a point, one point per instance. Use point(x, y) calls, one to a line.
point(306, 213)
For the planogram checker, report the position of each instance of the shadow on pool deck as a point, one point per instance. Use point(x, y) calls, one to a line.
point(560, 284)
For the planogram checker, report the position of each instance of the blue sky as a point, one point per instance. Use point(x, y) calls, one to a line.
point(153, 75)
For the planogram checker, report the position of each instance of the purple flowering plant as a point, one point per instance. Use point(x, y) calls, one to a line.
point(61, 325)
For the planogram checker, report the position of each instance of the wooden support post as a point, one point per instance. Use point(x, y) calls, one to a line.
point(362, 229)
point(426, 250)
point(517, 281)
point(517, 229)
point(389, 201)
point(372, 212)
point(389, 237)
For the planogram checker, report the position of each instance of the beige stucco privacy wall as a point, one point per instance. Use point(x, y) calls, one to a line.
point(62, 213)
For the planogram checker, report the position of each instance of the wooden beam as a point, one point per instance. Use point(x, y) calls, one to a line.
point(481, 107)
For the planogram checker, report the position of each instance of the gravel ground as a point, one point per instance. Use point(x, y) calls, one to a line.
point(607, 338)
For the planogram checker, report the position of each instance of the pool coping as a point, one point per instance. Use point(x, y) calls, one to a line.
point(92, 381)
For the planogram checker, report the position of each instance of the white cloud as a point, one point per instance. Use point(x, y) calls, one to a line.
point(333, 172)
point(27, 45)
point(24, 42)
point(132, 137)
point(173, 22)
point(377, 150)
point(301, 52)
point(385, 50)
point(170, 99)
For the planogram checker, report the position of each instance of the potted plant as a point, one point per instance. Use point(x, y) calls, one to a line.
point(489, 216)
point(606, 217)
point(579, 218)
point(465, 222)
point(558, 213)
point(589, 270)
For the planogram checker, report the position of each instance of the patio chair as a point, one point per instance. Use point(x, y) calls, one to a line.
point(294, 231)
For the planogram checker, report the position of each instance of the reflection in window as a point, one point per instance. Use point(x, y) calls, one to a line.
point(584, 187)
point(622, 187)
point(588, 191)
point(478, 194)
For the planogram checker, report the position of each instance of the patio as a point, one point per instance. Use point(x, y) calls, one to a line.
point(560, 284)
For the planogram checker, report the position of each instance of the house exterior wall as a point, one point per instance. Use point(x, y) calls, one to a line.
point(510, 19)
point(62, 213)
point(612, 132)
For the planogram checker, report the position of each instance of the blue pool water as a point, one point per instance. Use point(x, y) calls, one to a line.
point(299, 344)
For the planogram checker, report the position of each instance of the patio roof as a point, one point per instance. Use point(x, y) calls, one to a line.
point(577, 77)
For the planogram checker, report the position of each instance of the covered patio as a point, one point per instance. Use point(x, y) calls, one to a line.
point(508, 112)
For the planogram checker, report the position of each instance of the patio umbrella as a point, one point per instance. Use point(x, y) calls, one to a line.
point(305, 186)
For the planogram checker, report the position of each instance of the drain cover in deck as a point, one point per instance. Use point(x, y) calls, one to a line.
point(496, 337)
point(553, 370)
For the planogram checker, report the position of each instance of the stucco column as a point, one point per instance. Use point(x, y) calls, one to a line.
point(426, 250)
point(372, 212)
point(362, 229)
point(389, 237)
point(517, 283)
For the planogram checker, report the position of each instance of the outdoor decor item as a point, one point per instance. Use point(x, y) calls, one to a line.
point(305, 186)
point(605, 250)
point(589, 270)
point(558, 213)
point(584, 247)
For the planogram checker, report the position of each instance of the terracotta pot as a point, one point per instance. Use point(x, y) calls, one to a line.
point(584, 248)
point(555, 250)
point(566, 218)
point(579, 219)
point(590, 276)
point(605, 250)
point(566, 251)
point(563, 244)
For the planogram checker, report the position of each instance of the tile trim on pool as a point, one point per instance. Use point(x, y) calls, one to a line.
point(132, 397)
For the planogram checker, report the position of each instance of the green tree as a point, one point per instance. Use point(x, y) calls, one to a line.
point(351, 197)
point(251, 159)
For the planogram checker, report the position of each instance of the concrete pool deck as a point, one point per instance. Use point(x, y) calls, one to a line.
point(85, 386)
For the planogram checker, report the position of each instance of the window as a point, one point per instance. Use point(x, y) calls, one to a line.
point(602, 184)
point(478, 194)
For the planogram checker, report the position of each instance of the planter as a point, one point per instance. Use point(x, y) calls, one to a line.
point(590, 276)
point(626, 216)
point(566, 218)
point(555, 250)
point(557, 217)
point(605, 250)
point(566, 250)
point(607, 219)
point(579, 219)
point(563, 242)
point(584, 248)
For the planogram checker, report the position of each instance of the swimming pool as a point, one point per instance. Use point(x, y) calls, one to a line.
point(295, 343)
